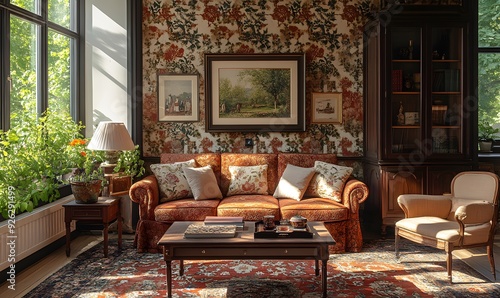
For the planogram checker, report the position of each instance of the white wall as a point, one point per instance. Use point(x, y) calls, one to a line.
point(106, 95)
point(106, 56)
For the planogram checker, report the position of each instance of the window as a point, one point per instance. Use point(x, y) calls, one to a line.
point(41, 39)
point(489, 62)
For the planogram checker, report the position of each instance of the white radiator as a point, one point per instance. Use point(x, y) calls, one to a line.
point(32, 231)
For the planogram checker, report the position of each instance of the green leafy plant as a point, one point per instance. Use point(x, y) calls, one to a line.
point(487, 131)
point(33, 159)
point(130, 163)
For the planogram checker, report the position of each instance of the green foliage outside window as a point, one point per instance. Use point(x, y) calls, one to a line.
point(25, 61)
point(489, 63)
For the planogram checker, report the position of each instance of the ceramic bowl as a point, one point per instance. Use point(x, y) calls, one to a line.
point(298, 222)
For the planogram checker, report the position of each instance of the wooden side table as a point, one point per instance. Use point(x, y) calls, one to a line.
point(106, 210)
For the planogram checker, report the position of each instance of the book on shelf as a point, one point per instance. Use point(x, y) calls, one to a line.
point(196, 230)
point(224, 220)
point(397, 80)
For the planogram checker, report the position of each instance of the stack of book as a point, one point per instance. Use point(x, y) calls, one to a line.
point(225, 220)
point(197, 230)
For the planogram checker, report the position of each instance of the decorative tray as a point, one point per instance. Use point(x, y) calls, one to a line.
point(281, 231)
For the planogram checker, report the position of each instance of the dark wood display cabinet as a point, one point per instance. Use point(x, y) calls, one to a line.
point(419, 106)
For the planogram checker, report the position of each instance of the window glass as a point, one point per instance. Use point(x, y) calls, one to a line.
point(59, 71)
point(23, 64)
point(60, 12)
point(489, 23)
point(29, 5)
point(489, 87)
point(489, 63)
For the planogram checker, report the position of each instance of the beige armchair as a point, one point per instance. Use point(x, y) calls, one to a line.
point(465, 218)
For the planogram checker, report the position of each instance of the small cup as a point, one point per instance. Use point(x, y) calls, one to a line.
point(269, 222)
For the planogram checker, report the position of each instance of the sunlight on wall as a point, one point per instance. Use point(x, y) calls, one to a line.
point(106, 63)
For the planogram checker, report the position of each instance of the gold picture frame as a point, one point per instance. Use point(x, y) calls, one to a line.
point(254, 109)
point(326, 107)
point(178, 98)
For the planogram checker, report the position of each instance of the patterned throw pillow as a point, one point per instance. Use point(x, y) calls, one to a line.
point(203, 183)
point(329, 180)
point(172, 181)
point(248, 180)
point(293, 183)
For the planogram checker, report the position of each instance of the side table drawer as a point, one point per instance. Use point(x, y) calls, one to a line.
point(87, 213)
point(245, 252)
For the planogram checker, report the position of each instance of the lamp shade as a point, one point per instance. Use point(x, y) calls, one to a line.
point(111, 136)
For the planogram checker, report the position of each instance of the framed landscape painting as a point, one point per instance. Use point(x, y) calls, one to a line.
point(255, 93)
point(326, 108)
point(178, 98)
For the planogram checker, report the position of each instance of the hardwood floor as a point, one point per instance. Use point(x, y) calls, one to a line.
point(31, 277)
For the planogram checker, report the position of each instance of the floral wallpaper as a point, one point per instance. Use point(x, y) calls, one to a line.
point(177, 34)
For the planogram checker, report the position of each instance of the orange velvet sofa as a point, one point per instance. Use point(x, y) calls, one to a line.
point(340, 218)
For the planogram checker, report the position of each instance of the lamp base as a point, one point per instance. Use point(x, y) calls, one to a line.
point(111, 157)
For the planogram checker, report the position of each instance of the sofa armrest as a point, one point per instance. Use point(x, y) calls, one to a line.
point(416, 205)
point(355, 192)
point(145, 192)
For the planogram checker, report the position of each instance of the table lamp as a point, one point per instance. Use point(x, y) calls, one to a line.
point(111, 137)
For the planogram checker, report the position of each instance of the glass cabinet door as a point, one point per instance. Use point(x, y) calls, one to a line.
point(405, 89)
point(446, 90)
point(425, 97)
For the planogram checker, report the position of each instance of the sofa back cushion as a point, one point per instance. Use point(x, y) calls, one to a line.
point(201, 159)
point(249, 159)
point(305, 160)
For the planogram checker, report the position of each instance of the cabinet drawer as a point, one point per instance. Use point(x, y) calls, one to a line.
point(245, 252)
point(87, 213)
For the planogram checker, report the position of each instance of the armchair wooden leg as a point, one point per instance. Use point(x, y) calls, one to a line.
point(396, 242)
point(489, 250)
point(449, 260)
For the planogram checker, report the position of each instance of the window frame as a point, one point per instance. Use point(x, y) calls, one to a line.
point(76, 57)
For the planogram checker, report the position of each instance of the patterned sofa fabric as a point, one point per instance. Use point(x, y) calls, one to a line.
point(341, 218)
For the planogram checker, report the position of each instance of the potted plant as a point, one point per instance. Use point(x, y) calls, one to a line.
point(486, 134)
point(86, 183)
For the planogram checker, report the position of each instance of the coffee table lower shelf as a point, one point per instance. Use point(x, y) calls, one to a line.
point(243, 246)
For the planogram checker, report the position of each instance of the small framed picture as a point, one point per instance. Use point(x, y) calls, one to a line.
point(411, 118)
point(178, 98)
point(326, 107)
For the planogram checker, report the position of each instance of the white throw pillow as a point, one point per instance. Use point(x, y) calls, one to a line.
point(203, 183)
point(171, 180)
point(247, 180)
point(329, 181)
point(293, 183)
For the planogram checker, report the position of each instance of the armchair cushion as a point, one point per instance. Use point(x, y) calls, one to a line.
point(172, 181)
point(433, 227)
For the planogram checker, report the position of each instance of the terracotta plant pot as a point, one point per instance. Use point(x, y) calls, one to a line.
point(86, 192)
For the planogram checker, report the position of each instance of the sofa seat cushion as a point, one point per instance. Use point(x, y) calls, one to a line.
point(186, 210)
point(314, 209)
point(250, 207)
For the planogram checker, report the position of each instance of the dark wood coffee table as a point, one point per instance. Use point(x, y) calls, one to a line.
point(245, 246)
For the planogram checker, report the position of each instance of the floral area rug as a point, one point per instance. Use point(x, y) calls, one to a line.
point(420, 272)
